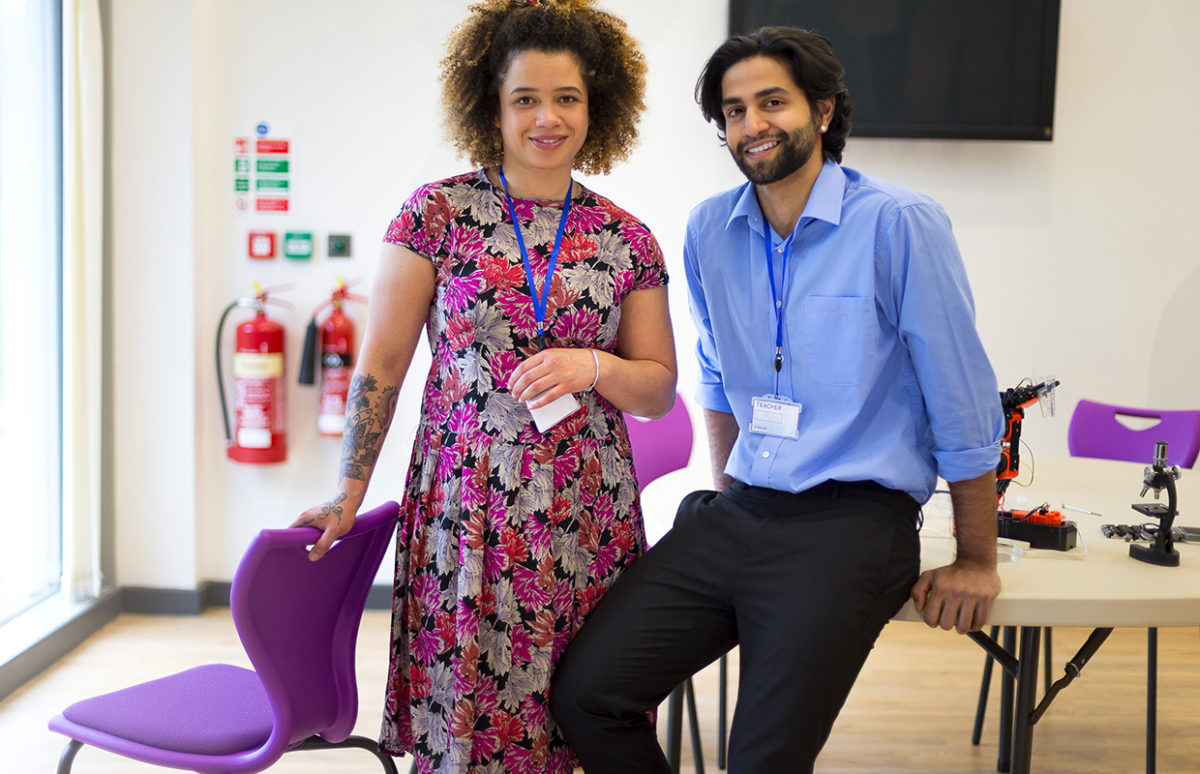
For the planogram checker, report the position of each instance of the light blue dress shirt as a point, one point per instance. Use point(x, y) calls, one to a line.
point(879, 339)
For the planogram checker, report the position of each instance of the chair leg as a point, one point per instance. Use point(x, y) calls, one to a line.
point(674, 710)
point(722, 707)
point(68, 756)
point(689, 691)
point(361, 742)
point(981, 706)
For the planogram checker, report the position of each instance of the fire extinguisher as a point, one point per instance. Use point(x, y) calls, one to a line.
point(260, 410)
point(336, 357)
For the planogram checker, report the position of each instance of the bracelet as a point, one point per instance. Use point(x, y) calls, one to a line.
point(596, 378)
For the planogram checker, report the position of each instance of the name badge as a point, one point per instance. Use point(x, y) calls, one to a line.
point(775, 415)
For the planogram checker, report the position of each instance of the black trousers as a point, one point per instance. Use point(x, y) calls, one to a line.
point(802, 582)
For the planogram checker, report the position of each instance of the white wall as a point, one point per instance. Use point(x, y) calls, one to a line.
point(1078, 249)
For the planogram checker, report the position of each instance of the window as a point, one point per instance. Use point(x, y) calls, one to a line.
point(30, 306)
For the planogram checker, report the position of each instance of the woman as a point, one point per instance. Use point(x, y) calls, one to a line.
point(536, 291)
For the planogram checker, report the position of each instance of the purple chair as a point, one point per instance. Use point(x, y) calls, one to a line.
point(661, 446)
point(1096, 431)
point(298, 621)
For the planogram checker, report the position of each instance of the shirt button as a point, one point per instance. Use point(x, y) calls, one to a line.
point(778, 304)
point(766, 454)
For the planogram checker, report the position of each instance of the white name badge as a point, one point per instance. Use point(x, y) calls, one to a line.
point(775, 415)
point(554, 412)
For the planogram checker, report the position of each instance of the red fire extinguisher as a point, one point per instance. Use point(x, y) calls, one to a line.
point(260, 410)
point(336, 357)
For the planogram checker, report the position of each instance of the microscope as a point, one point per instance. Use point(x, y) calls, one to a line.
point(1158, 477)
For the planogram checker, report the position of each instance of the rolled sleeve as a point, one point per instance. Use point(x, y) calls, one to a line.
point(937, 323)
point(710, 386)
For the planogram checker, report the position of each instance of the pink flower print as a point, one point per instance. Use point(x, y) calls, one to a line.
point(579, 325)
point(641, 242)
point(537, 536)
point(587, 220)
point(460, 332)
point(400, 228)
point(495, 563)
point(606, 560)
point(527, 585)
point(467, 622)
point(484, 743)
point(522, 646)
point(465, 242)
point(423, 243)
point(463, 418)
point(502, 365)
point(460, 291)
point(518, 308)
point(603, 510)
point(426, 646)
point(425, 590)
point(533, 711)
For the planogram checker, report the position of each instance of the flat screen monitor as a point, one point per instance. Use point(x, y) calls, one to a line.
point(962, 69)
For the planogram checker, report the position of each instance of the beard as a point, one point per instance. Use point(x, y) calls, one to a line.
point(794, 150)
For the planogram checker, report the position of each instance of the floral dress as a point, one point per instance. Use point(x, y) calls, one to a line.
point(508, 538)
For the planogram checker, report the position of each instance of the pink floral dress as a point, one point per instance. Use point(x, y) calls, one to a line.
point(508, 537)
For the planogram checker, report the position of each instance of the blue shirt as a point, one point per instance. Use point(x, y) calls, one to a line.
point(879, 339)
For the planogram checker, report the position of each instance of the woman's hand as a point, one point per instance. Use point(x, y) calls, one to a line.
point(553, 373)
point(334, 517)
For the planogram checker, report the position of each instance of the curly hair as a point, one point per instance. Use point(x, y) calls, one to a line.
point(481, 48)
point(807, 55)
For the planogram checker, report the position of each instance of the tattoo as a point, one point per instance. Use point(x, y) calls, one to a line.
point(330, 508)
point(369, 414)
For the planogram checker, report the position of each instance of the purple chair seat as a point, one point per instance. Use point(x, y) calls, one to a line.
point(216, 709)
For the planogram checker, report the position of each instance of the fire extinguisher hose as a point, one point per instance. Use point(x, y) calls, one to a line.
point(220, 377)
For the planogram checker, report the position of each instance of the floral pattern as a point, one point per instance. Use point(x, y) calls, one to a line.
point(508, 537)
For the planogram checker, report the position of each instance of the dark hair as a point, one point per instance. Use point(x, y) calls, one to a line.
point(481, 48)
point(814, 68)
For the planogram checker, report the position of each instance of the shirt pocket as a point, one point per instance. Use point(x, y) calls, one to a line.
point(839, 336)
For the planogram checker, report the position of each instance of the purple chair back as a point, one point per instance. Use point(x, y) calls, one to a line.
point(660, 445)
point(298, 621)
point(1096, 431)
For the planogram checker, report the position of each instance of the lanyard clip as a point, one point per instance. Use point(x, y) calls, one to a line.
point(778, 359)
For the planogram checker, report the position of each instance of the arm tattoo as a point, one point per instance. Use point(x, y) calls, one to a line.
point(369, 412)
point(332, 507)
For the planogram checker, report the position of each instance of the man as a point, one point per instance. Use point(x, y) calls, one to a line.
point(831, 410)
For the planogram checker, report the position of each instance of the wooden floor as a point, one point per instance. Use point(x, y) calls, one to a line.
point(911, 710)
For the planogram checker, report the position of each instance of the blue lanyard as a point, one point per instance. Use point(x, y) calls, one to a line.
point(539, 302)
point(787, 247)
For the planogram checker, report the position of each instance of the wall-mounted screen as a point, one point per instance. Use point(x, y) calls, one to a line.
point(966, 69)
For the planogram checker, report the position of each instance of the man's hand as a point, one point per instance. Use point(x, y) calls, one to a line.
point(957, 596)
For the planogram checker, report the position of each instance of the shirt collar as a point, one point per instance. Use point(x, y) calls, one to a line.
point(824, 202)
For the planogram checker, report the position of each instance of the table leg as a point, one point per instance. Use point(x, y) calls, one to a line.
point(1151, 699)
point(1004, 751)
point(1022, 749)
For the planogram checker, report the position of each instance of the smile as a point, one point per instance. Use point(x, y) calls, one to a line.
point(759, 150)
point(548, 143)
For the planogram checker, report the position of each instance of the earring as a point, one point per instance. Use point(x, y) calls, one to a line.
point(823, 128)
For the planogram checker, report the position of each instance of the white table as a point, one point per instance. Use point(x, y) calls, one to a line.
point(1102, 587)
